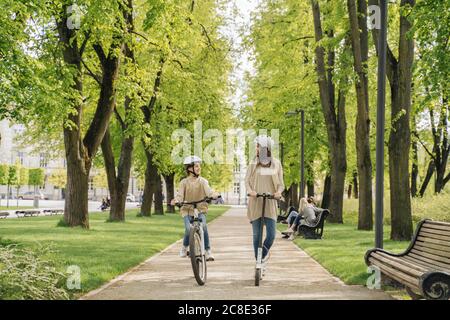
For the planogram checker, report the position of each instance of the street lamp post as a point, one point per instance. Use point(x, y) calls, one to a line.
point(302, 148)
point(381, 96)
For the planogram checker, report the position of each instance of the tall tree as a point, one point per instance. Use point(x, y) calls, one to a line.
point(399, 74)
point(359, 40)
point(118, 179)
point(334, 113)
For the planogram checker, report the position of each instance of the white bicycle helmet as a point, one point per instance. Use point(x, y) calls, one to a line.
point(189, 162)
point(264, 142)
point(192, 160)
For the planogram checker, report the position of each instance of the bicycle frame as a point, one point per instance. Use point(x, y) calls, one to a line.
point(200, 226)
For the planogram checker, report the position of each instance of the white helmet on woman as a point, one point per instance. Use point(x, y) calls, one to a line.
point(264, 141)
point(189, 162)
point(192, 160)
point(265, 152)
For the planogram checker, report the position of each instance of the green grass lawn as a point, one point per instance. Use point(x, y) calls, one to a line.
point(107, 249)
point(342, 249)
point(12, 207)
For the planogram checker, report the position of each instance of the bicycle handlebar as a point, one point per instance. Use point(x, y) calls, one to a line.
point(206, 199)
point(264, 195)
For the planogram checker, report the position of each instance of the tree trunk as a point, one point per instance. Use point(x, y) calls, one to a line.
point(159, 207)
point(355, 185)
point(414, 170)
point(118, 183)
point(326, 192)
point(294, 195)
point(428, 176)
point(364, 163)
point(152, 180)
point(310, 188)
point(76, 202)
point(334, 118)
point(78, 160)
point(170, 191)
point(349, 191)
point(399, 139)
point(338, 170)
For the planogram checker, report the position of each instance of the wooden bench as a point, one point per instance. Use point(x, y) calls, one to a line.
point(424, 268)
point(315, 231)
point(52, 212)
point(27, 213)
point(4, 214)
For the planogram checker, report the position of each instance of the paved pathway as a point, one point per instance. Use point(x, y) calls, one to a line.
point(291, 273)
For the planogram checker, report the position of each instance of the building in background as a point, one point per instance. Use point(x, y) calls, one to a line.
point(11, 153)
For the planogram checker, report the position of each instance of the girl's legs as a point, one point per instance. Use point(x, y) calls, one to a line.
point(202, 218)
point(187, 228)
point(270, 235)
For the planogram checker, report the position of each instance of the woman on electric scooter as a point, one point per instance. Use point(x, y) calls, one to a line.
point(194, 188)
point(264, 175)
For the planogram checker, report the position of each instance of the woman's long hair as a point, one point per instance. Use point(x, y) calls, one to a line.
point(303, 204)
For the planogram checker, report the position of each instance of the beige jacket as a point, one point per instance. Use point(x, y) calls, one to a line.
point(270, 179)
point(276, 173)
point(194, 189)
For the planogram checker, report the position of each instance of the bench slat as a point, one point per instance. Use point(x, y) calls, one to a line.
point(436, 227)
point(435, 260)
point(429, 266)
point(390, 261)
point(395, 274)
point(439, 223)
point(432, 265)
point(432, 251)
point(432, 256)
point(436, 231)
point(440, 242)
point(412, 264)
point(434, 246)
point(434, 236)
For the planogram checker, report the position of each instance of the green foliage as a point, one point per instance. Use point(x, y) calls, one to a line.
point(4, 174)
point(36, 177)
point(26, 275)
point(23, 177)
point(13, 175)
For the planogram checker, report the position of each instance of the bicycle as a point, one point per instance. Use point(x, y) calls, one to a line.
point(197, 251)
point(258, 266)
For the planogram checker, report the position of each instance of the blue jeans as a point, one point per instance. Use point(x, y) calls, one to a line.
point(297, 221)
point(270, 235)
point(187, 227)
point(291, 217)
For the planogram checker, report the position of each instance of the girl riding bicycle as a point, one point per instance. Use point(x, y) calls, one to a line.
point(194, 188)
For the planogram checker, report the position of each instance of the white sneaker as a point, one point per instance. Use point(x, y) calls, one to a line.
point(183, 252)
point(209, 256)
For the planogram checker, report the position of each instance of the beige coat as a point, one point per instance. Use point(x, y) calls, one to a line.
point(260, 179)
point(194, 189)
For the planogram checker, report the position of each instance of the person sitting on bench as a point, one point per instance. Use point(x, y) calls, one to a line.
point(307, 216)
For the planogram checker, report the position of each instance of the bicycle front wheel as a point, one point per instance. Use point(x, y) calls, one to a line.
point(198, 260)
point(257, 276)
